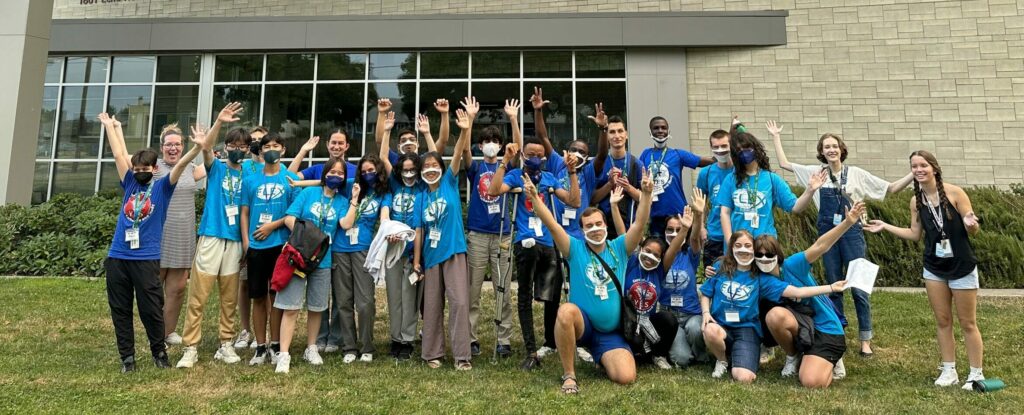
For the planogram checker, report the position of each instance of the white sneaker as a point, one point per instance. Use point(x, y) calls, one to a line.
point(243, 340)
point(767, 353)
point(349, 358)
point(273, 355)
point(320, 347)
point(839, 371)
point(258, 358)
point(253, 344)
point(226, 353)
point(584, 355)
point(312, 356)
point(973, 377)
point(791, 366)
point(720, 368)
point(173, 339)
point(189, 358)
point(331, 348)
point(284, 361)
point(366, 357)
point(544, 351)
point(662, 363)
point(948, 377)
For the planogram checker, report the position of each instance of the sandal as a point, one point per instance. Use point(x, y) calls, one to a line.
point(463, 365)
point(570, 389)
point(434, 364)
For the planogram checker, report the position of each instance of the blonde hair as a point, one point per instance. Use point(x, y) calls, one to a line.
point(169, 129)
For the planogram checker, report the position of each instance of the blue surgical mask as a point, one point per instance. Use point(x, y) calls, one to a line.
point(370, 177)
point(747, 156)
point(334, 182)
point(534, 163)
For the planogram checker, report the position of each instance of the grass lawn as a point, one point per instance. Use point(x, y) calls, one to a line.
point(59, 355)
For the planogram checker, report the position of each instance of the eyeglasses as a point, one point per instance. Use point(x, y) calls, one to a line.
point(232, 148)
point(173, 145)
point(764, 255)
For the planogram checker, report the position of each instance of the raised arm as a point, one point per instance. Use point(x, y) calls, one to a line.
point(913, 233)
point(498, 186)
point(601, 119)
point(296, 164)
point(776, 131)
point(441, 105)
point(512, 111)
point(825, 242)
point(538, 102)
point(813, 184)
point(571, 197)
point(793, 291)
point(227, 115)
point(902, 183)
point(199, 140)
point(385, 145)
point(122, 159)
point(349, 220)
point(541, 211)
point(699, 205)
point(676, 243)
point(423, 126)
point(636, 231)
point(620, 225)
point(466, 128)
point(383, 106)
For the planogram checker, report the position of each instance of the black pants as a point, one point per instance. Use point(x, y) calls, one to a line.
point(666, 324)
point(141, 278)
point(712, 250)
point(539, 277)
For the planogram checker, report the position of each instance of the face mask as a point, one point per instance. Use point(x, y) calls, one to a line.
point(669, 236)
point(370, 177)
point(272, 156)
point(747, 156)
point(235, 156)
point(767, 266)
point(534, 163)
point(581, 158)
point(737, 251)
point(409, 147)
point(255, 147)
point(334, 182)
point(431, 170)
point(651, 260)
point(143, 177)
point(721, 156)
point(491, 149)
point(596, 229)
point(660, 143)
point(409, 178)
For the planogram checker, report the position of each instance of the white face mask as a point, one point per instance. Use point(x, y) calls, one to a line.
point(737, 251)
point(431, 170)
point(580, 158)
point(408, 147)
point(669, 236)
point(409, 178)
point(660, 143)
point(595, 230)
point(721, 156)
point(651, 259)
point(767, 265)
point(490, 149)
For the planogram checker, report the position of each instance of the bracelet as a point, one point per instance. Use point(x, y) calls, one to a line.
point(603, 129)
point(501, 165)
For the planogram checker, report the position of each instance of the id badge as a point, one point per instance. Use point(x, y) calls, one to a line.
point(732, 315)
point(353, 235)
point(232, 212)
point(837, 219)
point(131, 236)
point(534, 224)
point(677, 301)
point(570, 213)
point(601, 291)
point(266, 218)
point(753, 218)
point(435, 234)
point(565, 221)
point(943, 249)
point(493, 209)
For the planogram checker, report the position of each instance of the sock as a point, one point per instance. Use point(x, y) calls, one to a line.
point(790, 358)
point(976, 372)
point(948, 365)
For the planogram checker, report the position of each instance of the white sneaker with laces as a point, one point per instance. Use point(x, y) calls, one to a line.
point(243, 340)
point(584, 355)
point(839, 371)
point(662, 363)
point(366, 357)
point(284, 362)
point(948, 377)
point(544, 351)
point(258, 359)
point(173, 339)
point(189, 358)
point(349, 358)
point(226, 353)
point(973, 377)
point(789, 369)
point(720, 368)
point(312, 355)
point(331, 348)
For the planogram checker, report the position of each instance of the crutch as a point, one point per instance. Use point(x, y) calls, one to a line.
point(500, 283)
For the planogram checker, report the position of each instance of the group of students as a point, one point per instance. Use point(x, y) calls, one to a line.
point(616, 229)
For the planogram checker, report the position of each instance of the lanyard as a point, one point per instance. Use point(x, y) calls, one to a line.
point(443, 211)
point(325, 210)
point(362, 205)
point(752, 192)
point(140, 202)
point(232, 189)
point(736, 288)
point(840, 194)
point(625, 163)
point(936, 215)
point(656, 166)
point(407, 211)
point(597, 266)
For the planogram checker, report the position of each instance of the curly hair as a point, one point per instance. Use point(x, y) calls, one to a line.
point(741, 141)
point(380, 188)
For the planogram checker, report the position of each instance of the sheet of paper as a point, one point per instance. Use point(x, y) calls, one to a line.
point(861, 274)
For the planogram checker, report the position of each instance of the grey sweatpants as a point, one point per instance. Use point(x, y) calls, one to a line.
point(353, 288)
point(403, 308)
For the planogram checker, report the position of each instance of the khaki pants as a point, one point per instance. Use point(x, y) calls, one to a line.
point(217, 262)
point(447, 280)
point(482, 250)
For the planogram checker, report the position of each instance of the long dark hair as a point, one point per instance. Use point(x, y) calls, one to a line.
point(729, 264)
point(381, 186)
point(919, 193)
point(738, 142)
point(396, 170)
point(331, 162)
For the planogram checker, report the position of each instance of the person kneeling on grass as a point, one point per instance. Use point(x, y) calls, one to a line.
point(133, 263)
point(729, 304)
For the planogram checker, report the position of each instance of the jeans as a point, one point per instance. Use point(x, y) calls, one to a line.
point(688, 345)
point(849, 247)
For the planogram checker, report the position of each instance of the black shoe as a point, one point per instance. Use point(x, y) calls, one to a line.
point(128, 364)
point(530, 362)
point(474, 348)
point(504, 351)
point(275, 347)
point(396, 347)
point(161, 362)
point(405, 351)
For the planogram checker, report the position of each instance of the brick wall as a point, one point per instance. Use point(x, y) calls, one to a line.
point(890, 76)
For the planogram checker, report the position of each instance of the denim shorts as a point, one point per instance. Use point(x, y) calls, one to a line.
point(600, 343)
point(966, 282)
point(316, 288)
point(743, 346)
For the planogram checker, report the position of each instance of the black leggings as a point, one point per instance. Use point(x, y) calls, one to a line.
point(666, 324)
point(539, 276)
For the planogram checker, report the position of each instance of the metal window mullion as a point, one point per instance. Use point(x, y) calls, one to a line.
point(204, 108)
point(149, 128)
point(106, 103)
point(312, 109)
point(416, 103)
point(263, 89)
point(366, 96)
point(575, 113)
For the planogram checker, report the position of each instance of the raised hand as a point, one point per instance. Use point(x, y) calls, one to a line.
point(462, 119)
point(383, 105)
point(853, 215)
point(528, 187)
point(699, 201)
point(616, 196)
point(736, 119)
point(646, 182)
point(199, 136)
point(874, 226)
point(472, 106)
point(230, 112)
point(537, 99)
point(817, 180)
point(570, 161)
point(687, 217)
point(441, 105)
point(106, 120)
point(355, 192)
point(422, 123)
point(511, 149)
point(599, 117)
point(512, 108)
point(773, 128)
point(311, 144)
point(389, 121)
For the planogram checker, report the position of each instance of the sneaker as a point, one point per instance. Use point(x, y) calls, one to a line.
point(320, 347)
point(839, 371)
point(790, 368)
point(188, 358)
point(767, 353)
point(284, 362)
point(243, 340)
point(173, 339)
point(274, 350)
point(331, 348)
point(474, 348)
point(260, 357)
point(128, 364)
point(530, 362)
point(312, 356)
point(253, 344)
point(584, 355)
point(395, 348)
point(349, 358)
point(973, 377)
point(226, 353)
point(544, 351)
point(405, 351)
point(503, 351)
point(662, 363)
point(160, 360)
point(948, 377)
point(366, 357)
point(720, 368)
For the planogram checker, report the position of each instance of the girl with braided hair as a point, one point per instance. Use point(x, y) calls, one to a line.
point(942, 214)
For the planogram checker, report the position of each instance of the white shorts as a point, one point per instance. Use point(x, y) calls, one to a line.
point(966, 282)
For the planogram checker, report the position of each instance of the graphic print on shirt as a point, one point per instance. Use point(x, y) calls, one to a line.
point(435, 210)
point(644, 296)
point(144, 212)
point(482, 187)
point(318, 208)
point(662, 178)
point(270, 191)
point(371, 207)
point(736, 292)
point(714, 192)
point(677, 278)
point(741, 199)
point(403, 204)
point(528, 202)
point(231, 184)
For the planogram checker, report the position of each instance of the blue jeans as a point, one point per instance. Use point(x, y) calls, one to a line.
point(688, 345)
point(849, 247)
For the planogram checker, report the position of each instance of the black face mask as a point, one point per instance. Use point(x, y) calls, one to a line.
point(235, 156)
point(255, 147)
point(143, 177)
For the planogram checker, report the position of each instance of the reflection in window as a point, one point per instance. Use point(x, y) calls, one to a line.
point(238, 68)
point(556, 64)
point(130, 105)
point(558, 113)
point(178, 68)
point(495, 65)
point(403, 103)
point(440, 65)
point(133, 69)
point(287, 110)
point(47, 119)
point(600, 64)
point(342, 66)
point(611, 94)
point(290, 67)
point(175, 104)
point(392, 65)
point(78, 135)
point(90, 69)
point(339, 106)
point(40, 182)
point(492, 96)
point(108, 178)
point(74, 177)
point(454, 92)
point(53, 67)
point(248, 95)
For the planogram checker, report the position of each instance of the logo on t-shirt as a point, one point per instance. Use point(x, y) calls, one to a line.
point(662, 177)
point(403, 203)
point(644, 295)
point(714, 192)
point(734, 291)
point(677, 278)
point(482, 185)
point(270, 191)
point(318, 209)
point(145, 211)
point(370, 208)
point(435, 210)
point(741, 199)
point(528, 202)
point(231, 184)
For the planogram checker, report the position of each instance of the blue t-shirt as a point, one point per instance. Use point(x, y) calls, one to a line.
point(316, 171)
point(393, 157)
point(443, 214)
point(709, 181)
point(767, 188)
point(223, 188)
point(643, 287)
point(268, 195)
point(741, 293)
point(250, 167)
point(366, 220)
point(797, 271)
point(312, 205)
point(587, 274)
point(633, 174)
point(667, 166)
point(545, 189)
point(406, 205)
point(586, 181)
point(143, 211)
point(485, 210)
point(680, 284)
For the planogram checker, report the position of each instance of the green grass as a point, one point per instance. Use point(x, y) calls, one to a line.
point(59, 356)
